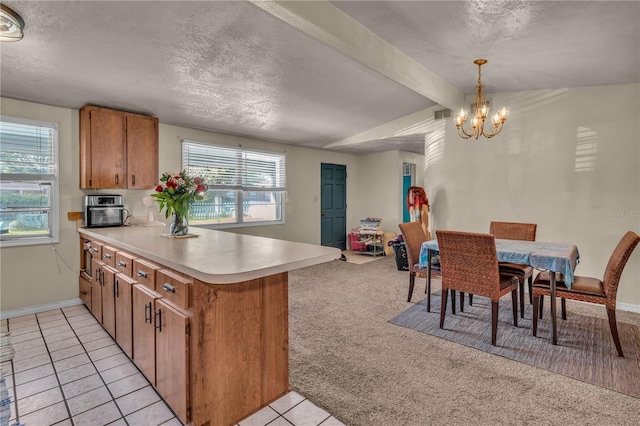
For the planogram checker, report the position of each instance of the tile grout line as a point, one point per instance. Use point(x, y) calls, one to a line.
point(107, 386)
point(13, 379)
point(55, 371)
point(97, 371)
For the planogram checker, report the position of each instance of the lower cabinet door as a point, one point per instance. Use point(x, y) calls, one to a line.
point(124, 316)
point(144, 342)
point(172, 358)
point(108, 300)
point(85, 290)
point(96, 289)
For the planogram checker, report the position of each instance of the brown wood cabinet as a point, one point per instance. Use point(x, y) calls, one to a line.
point(124, 313)
point(118, 149)
point(109, 300)
point(216, 353)
point(85, 290)
point(96, 289)
point(144, 340)
point(172, 358)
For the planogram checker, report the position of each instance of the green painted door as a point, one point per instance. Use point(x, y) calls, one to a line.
point(333, 205)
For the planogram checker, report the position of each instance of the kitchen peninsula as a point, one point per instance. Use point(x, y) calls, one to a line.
point(204, 318)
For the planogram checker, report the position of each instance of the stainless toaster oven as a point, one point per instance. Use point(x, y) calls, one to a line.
point(102, 210)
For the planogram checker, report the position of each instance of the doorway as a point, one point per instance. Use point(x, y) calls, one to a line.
point(333, 205)
point(408, 171)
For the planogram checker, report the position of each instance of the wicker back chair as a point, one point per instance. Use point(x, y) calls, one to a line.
point(469, 263)
point(516, 231)
point(414, 236)
point(592, 290)
point(513, 231)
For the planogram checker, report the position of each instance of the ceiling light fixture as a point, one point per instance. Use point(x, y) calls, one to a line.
point(481, 111)
point(11, 24)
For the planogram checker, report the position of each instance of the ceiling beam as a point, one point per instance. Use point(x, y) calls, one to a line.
point(328, 24)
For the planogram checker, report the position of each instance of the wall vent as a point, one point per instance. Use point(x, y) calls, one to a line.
point(443, 113)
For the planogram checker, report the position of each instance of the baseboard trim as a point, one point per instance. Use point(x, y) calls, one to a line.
point(628, 307)
point(39, 308)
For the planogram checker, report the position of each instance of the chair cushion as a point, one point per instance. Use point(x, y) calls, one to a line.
point(516, 269)
point(584, 285)
point(508, 281)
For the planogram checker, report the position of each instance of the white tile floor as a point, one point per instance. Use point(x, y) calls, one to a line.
point(67, 370)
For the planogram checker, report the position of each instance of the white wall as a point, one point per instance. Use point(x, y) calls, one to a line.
point(567, 160)
point(379, 183)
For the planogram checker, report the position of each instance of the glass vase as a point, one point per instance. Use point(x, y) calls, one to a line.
point(179, 225)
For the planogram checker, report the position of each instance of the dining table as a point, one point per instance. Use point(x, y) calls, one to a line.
point(554, 257)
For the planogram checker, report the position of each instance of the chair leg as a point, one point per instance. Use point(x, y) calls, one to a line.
point(563, 303)
point(521, 290)
point(470, 299)
point(443, 306)
point(531, 290)
point(514, 302)
point(453, 301)
point(541, 306)
point(494, 322)
point(412, 282)
point(613, 325)
point(536, 301)
point(462, 301)
point(427, 290)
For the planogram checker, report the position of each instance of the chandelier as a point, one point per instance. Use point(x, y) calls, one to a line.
point(481, 111)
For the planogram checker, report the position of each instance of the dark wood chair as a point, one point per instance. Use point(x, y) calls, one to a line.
point(516, 231)
point(414, 236)
point(592, 290)
point(469, 263)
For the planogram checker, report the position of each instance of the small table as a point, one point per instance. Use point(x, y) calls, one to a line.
point(554, 257)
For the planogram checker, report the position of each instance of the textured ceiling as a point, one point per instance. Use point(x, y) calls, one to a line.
point(236, 68)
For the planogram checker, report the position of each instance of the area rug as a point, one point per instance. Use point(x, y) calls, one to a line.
point(585, 349)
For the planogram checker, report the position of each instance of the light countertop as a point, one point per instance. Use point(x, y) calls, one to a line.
point(215, 257)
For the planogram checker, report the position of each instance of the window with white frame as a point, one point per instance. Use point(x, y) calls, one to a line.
point(245, 186)
point(28, 182)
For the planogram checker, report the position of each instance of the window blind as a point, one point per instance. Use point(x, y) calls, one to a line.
point(224, 167)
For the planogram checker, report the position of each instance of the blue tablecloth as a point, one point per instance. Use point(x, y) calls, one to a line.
point(556, 257)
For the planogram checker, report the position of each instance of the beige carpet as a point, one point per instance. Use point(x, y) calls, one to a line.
point(359, 258)
point(346, 357)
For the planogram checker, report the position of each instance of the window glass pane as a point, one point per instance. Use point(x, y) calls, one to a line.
point(261, 206)
point(26, 149)
point(28, 182)
point(218, 206)
point(24, 209)
point(238, 179)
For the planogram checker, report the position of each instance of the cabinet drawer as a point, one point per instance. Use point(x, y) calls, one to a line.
point(109, 256)
point(124, 263)
point(144, 272)
point(174, 287)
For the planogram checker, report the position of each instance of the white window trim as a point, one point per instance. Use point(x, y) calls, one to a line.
point(54, 226)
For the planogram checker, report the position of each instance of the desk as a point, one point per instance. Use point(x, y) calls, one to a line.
point(554, 257)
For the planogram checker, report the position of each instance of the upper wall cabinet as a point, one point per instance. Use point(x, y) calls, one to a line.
point(118, 149)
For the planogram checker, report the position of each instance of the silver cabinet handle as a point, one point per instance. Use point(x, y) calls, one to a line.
point(142, 274)
point(106, 256)
point(168, 287)
point(122, 263)
point(93, 249)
